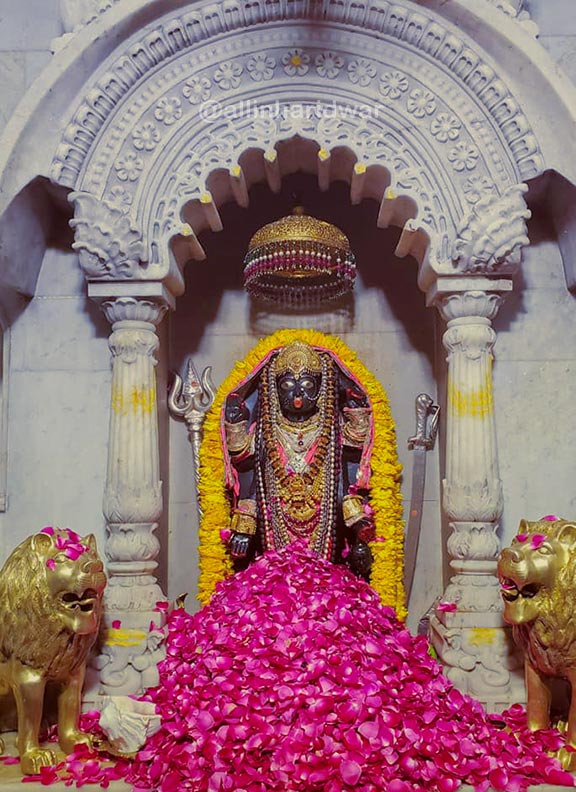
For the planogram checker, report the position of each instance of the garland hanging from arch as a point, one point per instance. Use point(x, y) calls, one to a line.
point(385, 497)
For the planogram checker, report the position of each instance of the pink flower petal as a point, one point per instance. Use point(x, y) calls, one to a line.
point(350, 772)
point(296, 677)
point(447, 607)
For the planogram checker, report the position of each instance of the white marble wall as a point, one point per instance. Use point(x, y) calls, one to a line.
point(26, 29)
point(535, 382)
point(556, 20)
point(58, 408)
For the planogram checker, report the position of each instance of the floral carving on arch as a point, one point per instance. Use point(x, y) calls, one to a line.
point(193, 109)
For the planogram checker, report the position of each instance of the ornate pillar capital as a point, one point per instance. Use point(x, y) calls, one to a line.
point(490, 237)
point(462, 298)
point(142, 310)
point(108, 243)
point(112, 248)
point(470, 304)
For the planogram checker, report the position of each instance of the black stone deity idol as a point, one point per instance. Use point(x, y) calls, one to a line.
point(297, 436)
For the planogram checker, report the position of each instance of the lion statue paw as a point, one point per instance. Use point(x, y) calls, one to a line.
point(567, 758)
point(70, 740)
point(34, 758)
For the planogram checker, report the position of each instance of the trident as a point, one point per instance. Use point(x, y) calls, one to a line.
point(191, 398)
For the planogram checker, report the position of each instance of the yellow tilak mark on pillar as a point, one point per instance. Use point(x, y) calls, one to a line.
point(476, 403)
point(136, 400)
point(118, 637)
point(482, 636)
point(143, 399)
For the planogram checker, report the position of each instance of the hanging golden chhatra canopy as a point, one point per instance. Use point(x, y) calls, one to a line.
point(299, 262)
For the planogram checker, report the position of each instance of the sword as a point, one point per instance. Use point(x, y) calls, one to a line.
point(427, 413)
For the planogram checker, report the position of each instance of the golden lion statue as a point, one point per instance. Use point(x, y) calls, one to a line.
point(538, 583)
point(50, 608)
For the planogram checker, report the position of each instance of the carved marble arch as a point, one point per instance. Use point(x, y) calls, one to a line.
point(209, 99)
point(129, 82)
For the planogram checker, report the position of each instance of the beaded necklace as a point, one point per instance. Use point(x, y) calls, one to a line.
point(297, 467)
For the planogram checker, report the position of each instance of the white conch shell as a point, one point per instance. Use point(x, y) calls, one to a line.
point(128, 723)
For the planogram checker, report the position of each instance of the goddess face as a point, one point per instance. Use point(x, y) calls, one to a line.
point(298, 394)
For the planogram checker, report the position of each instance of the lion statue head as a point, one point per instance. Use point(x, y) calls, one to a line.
point(537, 576)
point(51, 590)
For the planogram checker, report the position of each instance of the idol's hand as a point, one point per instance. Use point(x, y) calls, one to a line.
point(236, 409)
point(360, 559)
point(365, 529)
point(240, 545)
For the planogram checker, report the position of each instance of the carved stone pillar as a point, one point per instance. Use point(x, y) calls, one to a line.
point(467, 628)
point(472, 640)
point(134, 295)
point(133, 633)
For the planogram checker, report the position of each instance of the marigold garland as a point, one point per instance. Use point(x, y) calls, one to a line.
point(385, 497)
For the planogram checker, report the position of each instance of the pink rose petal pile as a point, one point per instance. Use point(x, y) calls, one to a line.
point(294, 677)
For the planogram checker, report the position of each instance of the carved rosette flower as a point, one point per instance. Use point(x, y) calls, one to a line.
point(444, 127)
point(421, 103)
point(361, 72)
point(119, 195)
point(145, 137)
point(329, 64)
point(463, 156)
point(296, 62)
point(197, 89)
point(227, 75)
point(107, 243)
point(168, 110)
point(492, 235)
point(129, 166)
point(393, 84)
point(260, 67)
point(474, 189)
